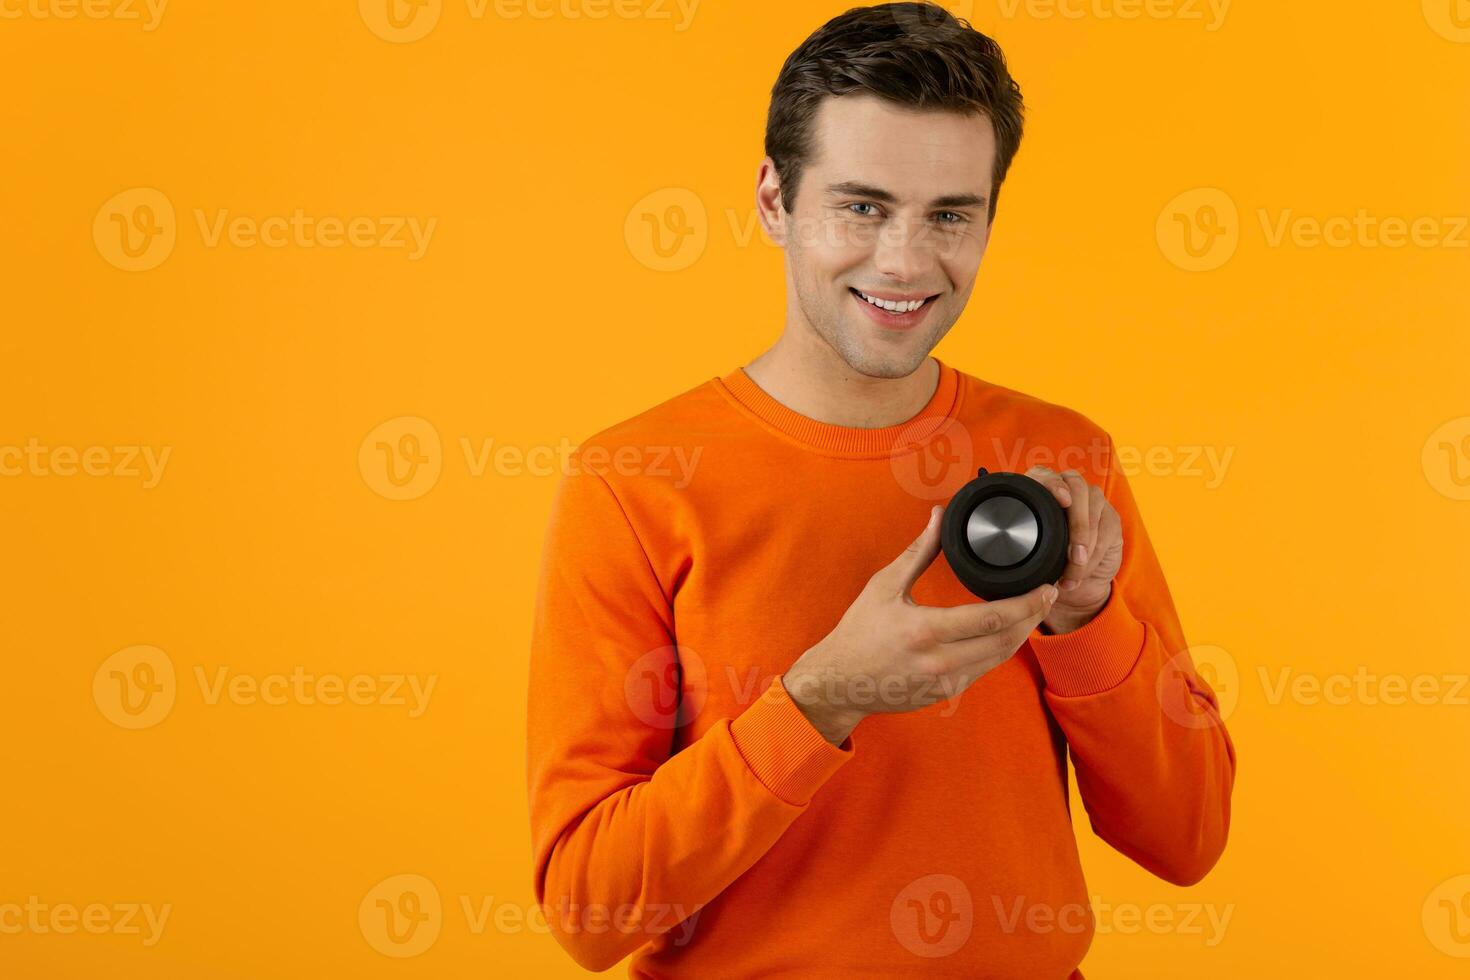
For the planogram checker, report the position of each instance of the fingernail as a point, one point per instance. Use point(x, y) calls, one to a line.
point(1068, 584)
point(1079, 553)
point(1049, 593)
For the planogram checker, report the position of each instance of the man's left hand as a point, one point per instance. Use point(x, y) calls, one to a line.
point(1095, 552)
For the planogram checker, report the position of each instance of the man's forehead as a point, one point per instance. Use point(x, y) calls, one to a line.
point(903, 150)
point(847, 115)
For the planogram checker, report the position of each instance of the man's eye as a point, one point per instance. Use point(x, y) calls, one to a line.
point(953, 218)
point(862, 204)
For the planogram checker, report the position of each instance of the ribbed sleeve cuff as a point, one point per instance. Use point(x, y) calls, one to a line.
point(1094, 658)
point(783, 749)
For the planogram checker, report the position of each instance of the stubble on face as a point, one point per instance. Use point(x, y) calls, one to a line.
point(845, 332)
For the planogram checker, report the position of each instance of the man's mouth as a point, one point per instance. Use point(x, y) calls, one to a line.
point(893, 304)
point(895, 311)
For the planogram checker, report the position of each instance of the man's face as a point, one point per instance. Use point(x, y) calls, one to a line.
point(894, 205)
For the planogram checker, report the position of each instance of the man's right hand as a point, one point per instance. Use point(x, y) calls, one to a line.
point(890, 654)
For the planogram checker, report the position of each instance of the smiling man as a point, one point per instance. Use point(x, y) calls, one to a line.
point(769, 734)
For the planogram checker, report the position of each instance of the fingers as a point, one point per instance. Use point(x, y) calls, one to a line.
point(901, 574)
point(1079, 530)
point(1053, 482)
point(1084, 504)
point(978, 654)
point(1096, 509)
point(956, 623)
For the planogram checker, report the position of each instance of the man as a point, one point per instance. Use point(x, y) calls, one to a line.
point(769, 735)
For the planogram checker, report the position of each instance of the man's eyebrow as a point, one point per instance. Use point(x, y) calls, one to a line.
point(857, 189)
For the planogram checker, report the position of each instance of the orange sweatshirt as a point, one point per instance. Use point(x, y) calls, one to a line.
point(683, 809)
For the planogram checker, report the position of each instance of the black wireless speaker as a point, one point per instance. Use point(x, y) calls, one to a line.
point(1004, 534)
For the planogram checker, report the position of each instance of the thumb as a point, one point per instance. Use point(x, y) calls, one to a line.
point(905, 570)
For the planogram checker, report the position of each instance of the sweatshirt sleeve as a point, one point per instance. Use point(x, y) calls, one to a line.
point(1155, 765)
point(629, 838)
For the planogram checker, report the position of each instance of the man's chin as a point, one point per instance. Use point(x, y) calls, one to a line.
point(892, 372)
point(888, 364)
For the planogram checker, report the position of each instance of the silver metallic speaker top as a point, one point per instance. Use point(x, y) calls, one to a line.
point(1001, 531)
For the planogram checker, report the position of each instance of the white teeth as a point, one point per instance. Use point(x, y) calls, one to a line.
point(892, 306)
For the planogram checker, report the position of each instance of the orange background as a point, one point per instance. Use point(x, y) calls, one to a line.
point(1333, 544)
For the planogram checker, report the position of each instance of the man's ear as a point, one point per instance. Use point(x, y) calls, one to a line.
point(769, 203)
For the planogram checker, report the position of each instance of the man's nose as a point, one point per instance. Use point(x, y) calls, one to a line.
point(903, 251)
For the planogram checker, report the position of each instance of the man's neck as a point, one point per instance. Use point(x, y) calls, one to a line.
point(819, 384)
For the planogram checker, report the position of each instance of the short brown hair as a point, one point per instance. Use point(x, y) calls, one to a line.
point(912, 54)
